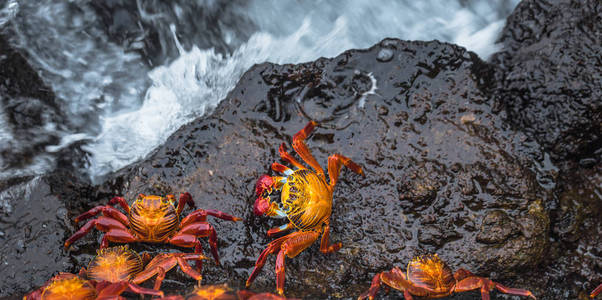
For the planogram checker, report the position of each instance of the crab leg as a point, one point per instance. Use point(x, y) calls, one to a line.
point(596, 291)
point(117, 235)
point(397, 280)
point(324, 247)
point(186, 241)
point(277, 230)
point(188, 270)
point(486, 285)
point(286, 156)
point(160, 278)
point(200, 215)
point(303, 151)
point(115, 289)
point(106, 210)
point(185, 198)
point(103, 224)
point(296, 242)
point(203, 230)
point(374, 287)
point(271, 248)
point(336, 162)
point(121, 202)
point(281, 169)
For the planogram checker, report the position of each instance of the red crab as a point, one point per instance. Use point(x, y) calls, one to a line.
point(429, 276)
point(246, 295)
point(164, 262)
point(223, 292)
point(306, 200)
point(67, 286)
point(152, 219)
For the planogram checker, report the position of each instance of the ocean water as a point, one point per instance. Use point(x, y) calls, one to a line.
point(124, 91)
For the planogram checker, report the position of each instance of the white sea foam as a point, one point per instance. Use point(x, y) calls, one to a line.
point(135, 117)
point(8, 12)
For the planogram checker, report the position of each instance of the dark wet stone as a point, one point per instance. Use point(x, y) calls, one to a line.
point(444, 174)
point(496, 228)
point(550, 74)
point(573, 266)
point(31, 247)
point(384, 55)
point(438, 161)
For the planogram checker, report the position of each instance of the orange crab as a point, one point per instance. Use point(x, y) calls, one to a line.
point(164, 262)
point(152, 219)
point(596, 291)
point(247, 295)
point(223, 292)
point(429, 276)
point(117, 269)
point(306, 200)
point(67, 286)
point(117, 264)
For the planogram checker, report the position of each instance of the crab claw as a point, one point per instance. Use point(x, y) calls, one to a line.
point(262, 203)
point(264, 182)
point(261, 206)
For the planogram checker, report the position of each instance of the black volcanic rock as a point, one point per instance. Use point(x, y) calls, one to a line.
point(550, 74)
point(33, 224)
point(29, 106)
point(440, 167)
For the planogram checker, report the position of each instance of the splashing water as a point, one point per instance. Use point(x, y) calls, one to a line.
point(140, 107)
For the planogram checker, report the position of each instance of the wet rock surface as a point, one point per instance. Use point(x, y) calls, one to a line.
point(33, 224)
point(444, 173)
point(550, 74)
point(439, 166)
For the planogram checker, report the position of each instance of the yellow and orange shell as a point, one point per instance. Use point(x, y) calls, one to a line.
point(114, 264)
point(306, 199)
point(70, 288)
point(211, 292)
point(430, 272)
point(153, 218)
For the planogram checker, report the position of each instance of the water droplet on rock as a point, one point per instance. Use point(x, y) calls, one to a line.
point(384, 55)
point(20, 246)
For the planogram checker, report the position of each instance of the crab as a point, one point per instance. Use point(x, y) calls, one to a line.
point(152, 219)
point(223, 292)
point(67, 286)
point(306, 200)
point(117, 269)
point(119, 263)
point(596, 291)
point(247, 295)
point(428, 276)
point(164, 262)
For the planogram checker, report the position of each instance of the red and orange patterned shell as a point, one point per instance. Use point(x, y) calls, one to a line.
point(153, 219)
point(211, 292)
point(69, 288)
point(306, 199)
point(114, 264)
point(430, 272)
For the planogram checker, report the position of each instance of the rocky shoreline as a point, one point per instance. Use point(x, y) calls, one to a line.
point(496, 166)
